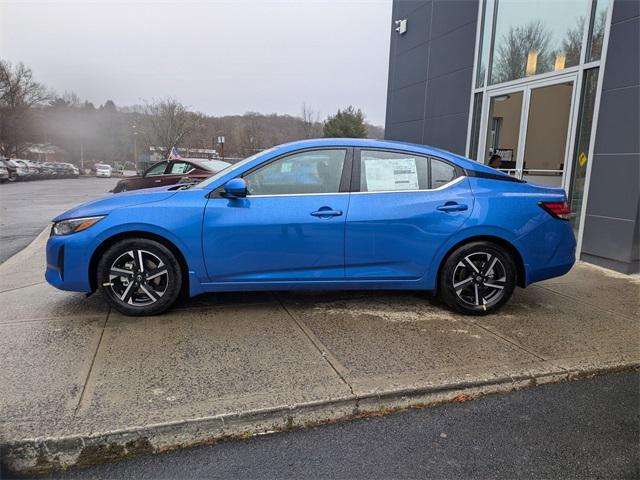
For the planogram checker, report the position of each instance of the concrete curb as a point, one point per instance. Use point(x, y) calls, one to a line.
point(45, 455)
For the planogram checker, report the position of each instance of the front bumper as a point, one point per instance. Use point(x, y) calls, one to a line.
point(68, 263)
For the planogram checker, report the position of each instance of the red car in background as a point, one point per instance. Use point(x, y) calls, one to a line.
point(170, 172)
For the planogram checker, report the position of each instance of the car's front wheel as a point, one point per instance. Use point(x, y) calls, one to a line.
point(139, 277)
point(477, 278)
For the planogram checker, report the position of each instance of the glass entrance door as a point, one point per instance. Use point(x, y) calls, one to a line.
point(545, 145)
point(503, 131)
point(528, 131)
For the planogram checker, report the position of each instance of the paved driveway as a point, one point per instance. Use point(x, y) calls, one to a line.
point(27, 207)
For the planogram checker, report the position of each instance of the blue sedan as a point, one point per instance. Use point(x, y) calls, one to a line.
point(320, 214)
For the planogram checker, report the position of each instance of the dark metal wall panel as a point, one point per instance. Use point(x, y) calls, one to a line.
point(611, 222)
point(430, 72)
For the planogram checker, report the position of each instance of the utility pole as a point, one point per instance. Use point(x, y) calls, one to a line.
point(221, 143)
point(135, 148)
point(82, 157)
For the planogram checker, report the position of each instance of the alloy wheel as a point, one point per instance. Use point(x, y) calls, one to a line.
point(138, 278)
point(479, 279)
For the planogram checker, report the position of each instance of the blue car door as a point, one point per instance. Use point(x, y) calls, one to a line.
point(290, 227)
point(403, 207)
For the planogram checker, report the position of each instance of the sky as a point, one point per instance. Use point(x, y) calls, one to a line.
point(217, 57)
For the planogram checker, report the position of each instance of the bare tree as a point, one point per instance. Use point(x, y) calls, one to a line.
point(19, 94)
point(514, 48)
point(310, 122)
point(165, 123)
point(572, 43)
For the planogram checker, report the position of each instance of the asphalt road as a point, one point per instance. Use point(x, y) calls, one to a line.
point(583, 429)
point(28, 207)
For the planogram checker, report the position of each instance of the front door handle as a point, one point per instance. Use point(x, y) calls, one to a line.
point(452, 207)
point(157, 181)
point(326, 212)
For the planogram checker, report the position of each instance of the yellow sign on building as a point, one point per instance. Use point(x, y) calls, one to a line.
point(582, 159)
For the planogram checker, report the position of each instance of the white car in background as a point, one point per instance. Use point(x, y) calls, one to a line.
point(22, 169)
point(103, 170)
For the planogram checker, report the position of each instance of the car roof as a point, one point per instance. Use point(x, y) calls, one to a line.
point(212, 164)
point(459, 160)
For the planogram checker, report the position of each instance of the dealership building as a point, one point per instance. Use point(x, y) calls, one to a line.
point(551, 86)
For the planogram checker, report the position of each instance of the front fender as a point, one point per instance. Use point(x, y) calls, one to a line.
point(190, 251)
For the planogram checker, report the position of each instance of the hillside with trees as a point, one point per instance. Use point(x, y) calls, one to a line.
point(32, 114)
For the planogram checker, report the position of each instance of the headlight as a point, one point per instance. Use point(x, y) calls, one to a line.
point(74, 225)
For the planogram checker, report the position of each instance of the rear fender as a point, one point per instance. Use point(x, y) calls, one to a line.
point(467, 235)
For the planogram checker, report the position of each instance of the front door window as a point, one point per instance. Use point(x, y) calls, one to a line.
point(317, 171)
point(157, 169)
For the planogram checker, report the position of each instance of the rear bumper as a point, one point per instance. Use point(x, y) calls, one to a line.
point(559, 235)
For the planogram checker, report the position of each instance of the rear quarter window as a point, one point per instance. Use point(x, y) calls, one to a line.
point(441, 173)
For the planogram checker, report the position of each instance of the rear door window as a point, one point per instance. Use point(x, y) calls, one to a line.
point(180, 168)
point(382, 171)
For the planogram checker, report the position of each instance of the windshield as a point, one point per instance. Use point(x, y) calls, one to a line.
point(208, 181)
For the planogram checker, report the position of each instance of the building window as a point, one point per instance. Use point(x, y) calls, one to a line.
point(596, 31)
point(475, 126)
point(583, 140)
point(536, 36)
point(485, 42)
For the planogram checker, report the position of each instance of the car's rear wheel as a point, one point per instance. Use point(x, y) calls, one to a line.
point(12, 177)
point(477, 278)
point(139, 277)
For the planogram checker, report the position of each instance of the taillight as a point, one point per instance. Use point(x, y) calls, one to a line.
point(560, 210)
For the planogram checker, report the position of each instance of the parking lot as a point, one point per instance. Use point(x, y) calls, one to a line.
point(28, 207)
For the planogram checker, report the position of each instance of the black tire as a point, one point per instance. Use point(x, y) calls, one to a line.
point(477, 278)
point(147, 291)
point(12, 177)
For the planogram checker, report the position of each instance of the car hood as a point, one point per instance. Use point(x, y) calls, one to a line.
point(104, 205)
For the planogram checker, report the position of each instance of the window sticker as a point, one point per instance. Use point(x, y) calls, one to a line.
point(180, 167)
point(391, 174)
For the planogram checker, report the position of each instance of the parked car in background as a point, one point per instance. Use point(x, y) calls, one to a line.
point(20, 172)
point(4, 172)
point(103, 170)
point(320, 214)
point(11, 169)
point(72, 169)
point(31, 167)
point(170, 172)
point(46, 171)
point(62, 170)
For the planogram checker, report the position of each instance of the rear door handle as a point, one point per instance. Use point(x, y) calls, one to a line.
point(452, 207)
point(326, 212)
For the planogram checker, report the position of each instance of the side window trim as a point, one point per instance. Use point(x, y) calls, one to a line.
point(344, 178)
point(357, 165)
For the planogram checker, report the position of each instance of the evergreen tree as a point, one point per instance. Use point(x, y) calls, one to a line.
point(347, 123)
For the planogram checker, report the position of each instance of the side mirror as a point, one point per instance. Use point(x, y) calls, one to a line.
point(236, 188)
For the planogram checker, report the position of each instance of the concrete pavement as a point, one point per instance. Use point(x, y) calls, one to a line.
point(83, 384)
